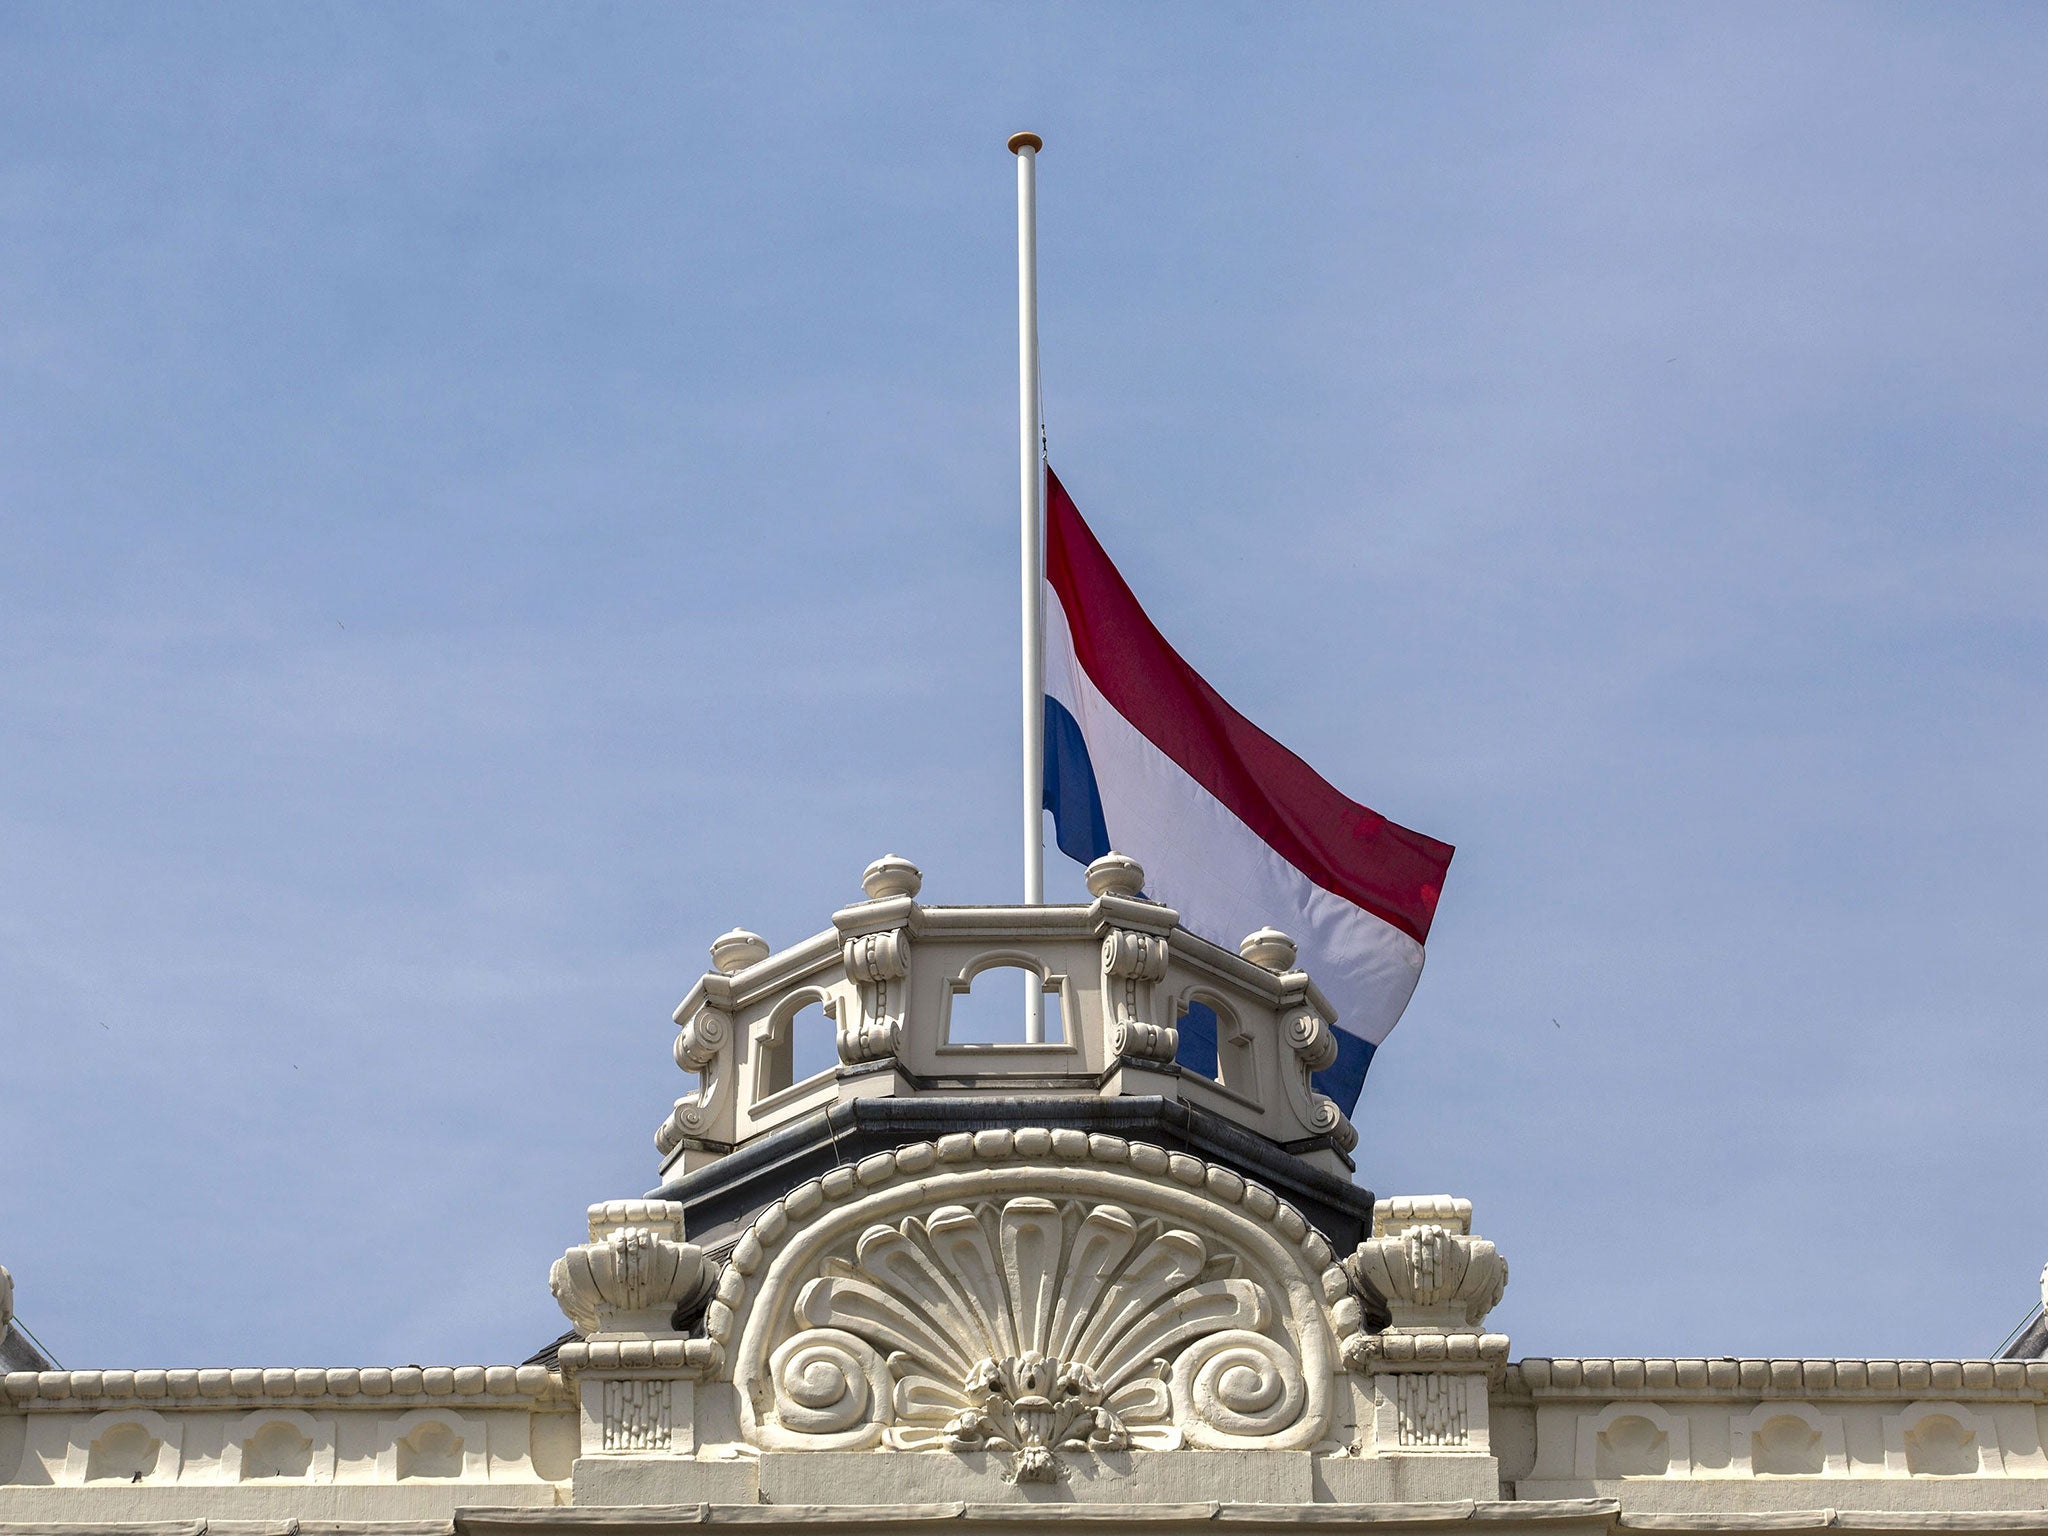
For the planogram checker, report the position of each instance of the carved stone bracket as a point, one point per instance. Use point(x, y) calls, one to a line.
point(703, 1047)
point(1314, 1043)
point(880, 964)
point(875, 950)
point(1133, 963)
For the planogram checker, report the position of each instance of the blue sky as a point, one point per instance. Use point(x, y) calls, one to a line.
point(493, 497)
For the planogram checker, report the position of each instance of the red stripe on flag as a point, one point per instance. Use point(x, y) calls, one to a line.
point(1358, 854)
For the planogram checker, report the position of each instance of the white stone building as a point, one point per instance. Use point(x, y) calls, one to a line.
point(1005, 1286)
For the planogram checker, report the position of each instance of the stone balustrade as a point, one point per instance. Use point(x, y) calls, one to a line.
point(891, 977)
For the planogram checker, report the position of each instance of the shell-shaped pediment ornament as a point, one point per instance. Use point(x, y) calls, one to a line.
point(1033, 1313)
point(1030, 1326)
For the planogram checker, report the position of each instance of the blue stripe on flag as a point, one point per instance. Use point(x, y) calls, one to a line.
point(1070, 792)
point(1076, 805)
point(1343, 1078)
point(1197, 1048)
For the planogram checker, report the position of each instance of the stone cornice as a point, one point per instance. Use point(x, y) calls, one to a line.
point(1586, 1514)
point(1583, 1514)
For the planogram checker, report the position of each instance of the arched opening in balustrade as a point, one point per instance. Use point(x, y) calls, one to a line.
point(798, 1042)
point(1215, 1044)
point(986, 1003)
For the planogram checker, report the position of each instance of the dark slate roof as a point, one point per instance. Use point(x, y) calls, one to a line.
point(2030, 1343)
point(19, 1353)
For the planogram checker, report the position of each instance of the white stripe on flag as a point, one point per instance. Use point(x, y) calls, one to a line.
point(1222, 877)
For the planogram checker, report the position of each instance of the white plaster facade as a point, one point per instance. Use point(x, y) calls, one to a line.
point(1006, 1286)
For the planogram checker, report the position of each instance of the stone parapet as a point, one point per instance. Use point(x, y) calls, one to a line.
point(1700, 1436)
point(1664, 1377)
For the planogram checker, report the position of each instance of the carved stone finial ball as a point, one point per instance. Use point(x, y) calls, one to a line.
point(891, 875)
point(1115, 874)
point(1269, 947)
point(733, 952)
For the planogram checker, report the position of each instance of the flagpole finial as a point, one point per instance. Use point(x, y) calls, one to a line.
point(1023, 141)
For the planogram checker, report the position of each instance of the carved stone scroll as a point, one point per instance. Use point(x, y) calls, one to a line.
point(703, 1047)
point(1314, 1043)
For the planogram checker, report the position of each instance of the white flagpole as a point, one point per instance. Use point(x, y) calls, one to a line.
point(1031, 483)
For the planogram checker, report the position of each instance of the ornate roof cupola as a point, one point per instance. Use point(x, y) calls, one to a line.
point(892, 976)
point(1059, 1268)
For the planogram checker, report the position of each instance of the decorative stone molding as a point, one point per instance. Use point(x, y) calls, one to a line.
point(1108, 1295)
point(433, 1444)
point(1390, 1352)
point(1633, 1440)
point(1314, 1044)
point(6, 1299)
point(635, 1274)
point(1787, 1440)
point(126, 1445)
point(875, 952)
point(1305, 1027)
point(282, 1443)
point(1942, 1439)
point(694, 1357)
point(1423, 1263)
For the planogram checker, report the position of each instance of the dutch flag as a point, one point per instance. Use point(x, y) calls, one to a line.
point(1233, 830)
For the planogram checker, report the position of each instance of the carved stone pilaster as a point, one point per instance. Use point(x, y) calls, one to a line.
point(626, 1289)
point(639, 1396)
point(1432, 1365)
